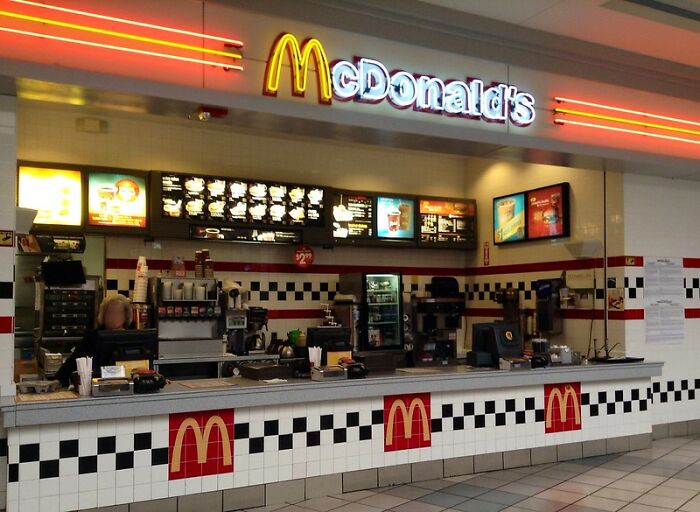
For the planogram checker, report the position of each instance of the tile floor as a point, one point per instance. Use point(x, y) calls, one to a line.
point(663, 477)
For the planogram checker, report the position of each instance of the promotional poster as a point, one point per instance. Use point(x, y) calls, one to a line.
point(509, 218)
point(547, 212)
point(395, 218)
point(116, 200)
point(56, 193)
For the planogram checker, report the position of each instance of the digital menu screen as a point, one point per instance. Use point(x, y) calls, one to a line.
point(117, 200)
point(55, 193)
point(225, 234)
point(509, 218)
point(547, 212)
point(395, 218)
point(229, 200)
point(353, 216)
point(447, 222)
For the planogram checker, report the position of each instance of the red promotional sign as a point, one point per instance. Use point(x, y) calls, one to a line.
point(406, 422)
point(200, 444)
point(562, 407)
point(303, 256)
point(547, 212)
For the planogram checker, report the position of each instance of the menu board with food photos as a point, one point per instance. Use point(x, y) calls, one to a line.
point(224, 234)
point(447, 222)
point(353, 216)
point(116, 200)
point(241, 201)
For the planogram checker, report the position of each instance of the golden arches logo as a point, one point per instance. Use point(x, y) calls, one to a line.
point(556, 394)
point(201, 441)
point(299, 58)
point(407, 415)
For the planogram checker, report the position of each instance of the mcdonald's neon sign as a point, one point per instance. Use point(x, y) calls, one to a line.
point(365, 80)
point(402, 429)
point(562, 407)
point(193, 451)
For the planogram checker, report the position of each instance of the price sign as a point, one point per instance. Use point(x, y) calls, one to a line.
point(303, 256)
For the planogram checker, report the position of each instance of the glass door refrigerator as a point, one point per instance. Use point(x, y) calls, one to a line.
point(381, 322)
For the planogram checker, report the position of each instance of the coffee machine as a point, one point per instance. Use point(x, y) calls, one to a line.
point(234, 297)
point(256, 325)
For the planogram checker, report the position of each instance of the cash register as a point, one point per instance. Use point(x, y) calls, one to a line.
point(496, 342)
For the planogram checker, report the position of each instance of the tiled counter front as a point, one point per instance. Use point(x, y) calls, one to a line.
point(96, 464)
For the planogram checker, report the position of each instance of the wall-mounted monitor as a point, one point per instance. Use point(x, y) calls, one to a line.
point(396, 218)
point(57, 194)
point(548, 212)
point(509, 218)
point(117, 200)
point(447, 222)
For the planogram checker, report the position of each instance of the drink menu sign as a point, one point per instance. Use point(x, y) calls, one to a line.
point(116, 200)
point(509, 218)
point(353, 216)
point(239, 201)
point(447, 222)
point(55, 193)
point(547, 212)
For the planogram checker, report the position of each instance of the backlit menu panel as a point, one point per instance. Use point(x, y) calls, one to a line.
point(353, 216)
point(232, 200)
point(446, 222)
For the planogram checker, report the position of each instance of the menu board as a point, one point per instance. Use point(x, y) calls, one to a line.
point(548, 212)
point(447, 222)
point(57, 194)
point(224, 234)
point(396, 218)
point(509, 218)
point(353, 216)
point(117, 200)
point(231, 200)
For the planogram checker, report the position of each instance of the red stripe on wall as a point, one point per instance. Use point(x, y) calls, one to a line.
point(625, 261)
point(289, 268)
point(692, 313)
point(569, 314)
point(7, 324)
point(691, 262)
point(627, 314)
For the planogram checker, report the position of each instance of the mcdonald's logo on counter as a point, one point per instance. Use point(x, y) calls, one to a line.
point(406, 422)
point(201, 444)
point(562, 407)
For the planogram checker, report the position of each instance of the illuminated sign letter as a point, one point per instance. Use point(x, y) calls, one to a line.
point(431, 94)
point(345, 80)
point(566, 414)
point(299, 57)
point(494, 102)
point(456, 98)
point(374, 81)
point(522, 112)
point(402, 89)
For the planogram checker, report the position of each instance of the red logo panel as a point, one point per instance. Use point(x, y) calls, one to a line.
point(201, 444)
point(406, 422)
point(562, 407)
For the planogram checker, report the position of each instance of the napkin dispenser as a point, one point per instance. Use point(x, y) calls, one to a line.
point(328, 373)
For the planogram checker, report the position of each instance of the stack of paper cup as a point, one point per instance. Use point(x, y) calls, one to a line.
point(84, 365)
point(140, 292)
point(315, 356)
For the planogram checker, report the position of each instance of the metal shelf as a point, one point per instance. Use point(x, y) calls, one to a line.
point(382, 303)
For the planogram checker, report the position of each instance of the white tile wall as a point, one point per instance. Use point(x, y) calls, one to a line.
point(105, 487)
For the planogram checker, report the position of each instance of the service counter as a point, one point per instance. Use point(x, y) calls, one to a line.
point(98, 452)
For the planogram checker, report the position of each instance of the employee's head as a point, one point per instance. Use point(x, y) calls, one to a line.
point(115, 313)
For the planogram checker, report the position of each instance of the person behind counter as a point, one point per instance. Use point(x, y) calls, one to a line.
point(114, 315)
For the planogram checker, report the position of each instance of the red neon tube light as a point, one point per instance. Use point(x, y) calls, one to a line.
point(624, 130)
point(232, 42)
point(122, 48)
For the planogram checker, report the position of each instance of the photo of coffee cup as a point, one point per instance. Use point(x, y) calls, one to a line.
point(393, 220)
point(506, 211)
point(405, 220)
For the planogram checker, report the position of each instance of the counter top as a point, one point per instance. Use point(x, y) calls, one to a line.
point(247, 393)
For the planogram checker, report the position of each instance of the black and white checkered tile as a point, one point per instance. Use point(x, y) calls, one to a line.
point(634, 287)
point(69, 460)
point(487, 291)
point(692, 288)
point(674, 391)
point(615, 402)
